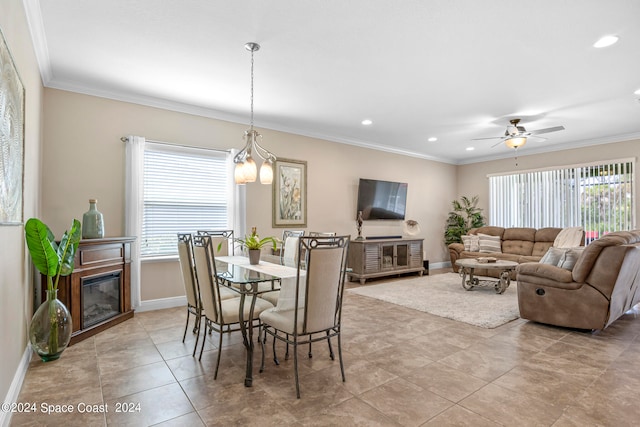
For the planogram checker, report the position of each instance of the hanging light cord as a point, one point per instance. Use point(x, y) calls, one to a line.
point(251, 127)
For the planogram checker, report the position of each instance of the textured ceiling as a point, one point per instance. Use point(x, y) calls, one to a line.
point(451, 69)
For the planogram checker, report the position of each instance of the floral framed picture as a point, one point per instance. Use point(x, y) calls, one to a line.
point(11, 138)
point(290, 193)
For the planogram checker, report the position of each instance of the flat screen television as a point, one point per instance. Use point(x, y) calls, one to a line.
point(381, 199)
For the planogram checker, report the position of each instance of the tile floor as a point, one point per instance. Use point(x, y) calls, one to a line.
point(403, 368)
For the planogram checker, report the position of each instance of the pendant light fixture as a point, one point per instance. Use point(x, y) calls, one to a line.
point(246, 169)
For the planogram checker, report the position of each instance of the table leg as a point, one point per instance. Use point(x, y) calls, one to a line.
point(503, 282)
point(473, 281)
point(246, 327)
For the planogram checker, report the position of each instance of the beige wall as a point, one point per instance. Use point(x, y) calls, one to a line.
point(16, 305)
point(472, 179)
point(83, 133)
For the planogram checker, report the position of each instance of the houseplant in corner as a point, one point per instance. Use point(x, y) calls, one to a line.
point(254, 243)
point(51, 326)
point(464, 216)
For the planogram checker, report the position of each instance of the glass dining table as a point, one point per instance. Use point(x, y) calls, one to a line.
point(251, 281)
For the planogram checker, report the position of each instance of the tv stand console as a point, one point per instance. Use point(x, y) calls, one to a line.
point(384, 257)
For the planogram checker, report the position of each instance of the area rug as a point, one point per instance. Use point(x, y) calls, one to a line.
point(443, 295)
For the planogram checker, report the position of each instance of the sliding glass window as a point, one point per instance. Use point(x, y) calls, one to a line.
point(599, 197)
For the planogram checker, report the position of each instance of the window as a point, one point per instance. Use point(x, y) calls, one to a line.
point(185, 190)
point(598, 197)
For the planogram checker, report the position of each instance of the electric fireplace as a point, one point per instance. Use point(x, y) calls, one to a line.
point(98, 292)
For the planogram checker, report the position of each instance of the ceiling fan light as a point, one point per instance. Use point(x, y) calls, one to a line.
point(515, 142)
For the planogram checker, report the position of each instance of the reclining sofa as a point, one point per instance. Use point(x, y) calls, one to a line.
point(516, 244)
point(603, 284)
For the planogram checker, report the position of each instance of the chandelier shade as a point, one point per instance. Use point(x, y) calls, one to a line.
point(246, 169)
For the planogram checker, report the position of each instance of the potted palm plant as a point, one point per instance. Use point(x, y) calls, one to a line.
point(51, 326)
point(465, 215)
point(253, 243)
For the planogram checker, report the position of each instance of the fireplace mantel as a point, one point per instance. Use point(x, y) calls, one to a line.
point(96, 258)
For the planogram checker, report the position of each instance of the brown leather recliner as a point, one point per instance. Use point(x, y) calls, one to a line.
point(603, 285)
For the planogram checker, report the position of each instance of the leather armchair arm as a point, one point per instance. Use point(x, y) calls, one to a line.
point(547, 271)
point(455, 249)
point(547, 275)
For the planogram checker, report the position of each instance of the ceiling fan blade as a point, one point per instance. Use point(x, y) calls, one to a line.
point(547, 130)
point(541, 138)
point(496, 144)
point(491, 137)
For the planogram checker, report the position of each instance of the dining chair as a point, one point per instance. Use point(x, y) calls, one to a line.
point(219, 238)
point(191, 287)
point(290, 246)
point(222, 315)
point(322, 233)
point(185, 257)
point(325, 262)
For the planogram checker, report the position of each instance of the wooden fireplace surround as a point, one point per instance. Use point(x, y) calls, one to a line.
point(96, 257)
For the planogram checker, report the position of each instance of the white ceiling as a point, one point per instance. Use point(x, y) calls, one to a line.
point(452, 69)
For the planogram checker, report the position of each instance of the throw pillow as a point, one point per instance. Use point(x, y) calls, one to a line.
point(489, 244)
point(553, 256)
point(570, 257)
point(471, 243)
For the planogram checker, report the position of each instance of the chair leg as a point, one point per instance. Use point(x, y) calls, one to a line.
point(186, 326)
point(310, 355)
point(204, 338)
point(198, 335)
point(196, 325)
point(275, 357)
point(262, 347)
point(330, 348)
point(340, 357)
point(215, 376)
point(286, 353)
point(295, 365)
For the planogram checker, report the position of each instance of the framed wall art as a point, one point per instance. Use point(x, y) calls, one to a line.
point(11, 139)
point(290, 193)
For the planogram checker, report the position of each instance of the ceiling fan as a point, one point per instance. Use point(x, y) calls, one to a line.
point(516, 136)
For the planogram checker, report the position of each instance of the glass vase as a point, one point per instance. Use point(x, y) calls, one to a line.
point(51, 328)
point(92, 222)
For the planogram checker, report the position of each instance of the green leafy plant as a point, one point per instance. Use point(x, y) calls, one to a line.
point(253, 241)
point(50, 258)
point(464, 216)
point(53, 260)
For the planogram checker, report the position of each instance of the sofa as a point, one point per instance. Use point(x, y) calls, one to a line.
point(515, 244)
point(603, 284)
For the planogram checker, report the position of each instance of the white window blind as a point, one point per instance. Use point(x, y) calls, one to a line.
point(599, 197)
point(185, 190)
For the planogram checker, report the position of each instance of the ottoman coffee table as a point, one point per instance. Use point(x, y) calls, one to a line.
point(468, 265)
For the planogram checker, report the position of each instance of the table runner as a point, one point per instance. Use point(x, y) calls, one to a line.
point(287, 275)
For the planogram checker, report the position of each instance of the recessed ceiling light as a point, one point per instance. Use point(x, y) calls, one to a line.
point(432, 139)
point(606, 41)
point(366, 122)
point(470, 148)
point(637, 92)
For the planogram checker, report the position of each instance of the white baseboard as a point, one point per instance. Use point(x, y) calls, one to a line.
point(161, 303)
point(440, 265)
point(16, 385)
